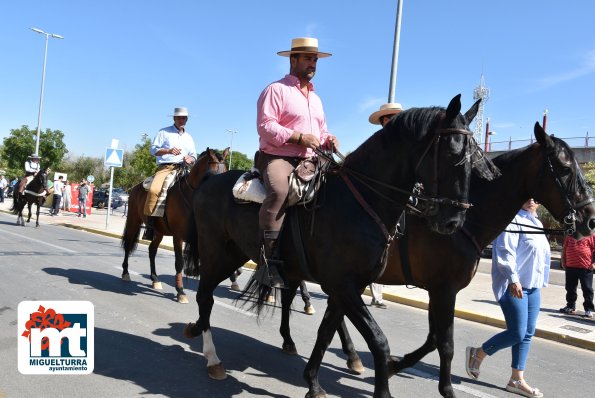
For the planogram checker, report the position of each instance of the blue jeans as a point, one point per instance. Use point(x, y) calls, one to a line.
point(521, 318)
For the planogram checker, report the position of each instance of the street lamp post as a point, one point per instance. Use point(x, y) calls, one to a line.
point(231, 146)
point(45, 54)
point(488, 133)
point(544, 118)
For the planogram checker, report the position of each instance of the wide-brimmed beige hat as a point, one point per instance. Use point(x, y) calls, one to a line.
point(180, 112)
point(392, 108)
point(304, 45)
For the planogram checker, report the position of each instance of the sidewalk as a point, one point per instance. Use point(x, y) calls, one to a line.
point(475, 302)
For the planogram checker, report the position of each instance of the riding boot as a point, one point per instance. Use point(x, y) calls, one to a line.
point(149, 229)
point(269, 265)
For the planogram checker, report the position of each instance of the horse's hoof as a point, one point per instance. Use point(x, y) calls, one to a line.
point(126, 277)
point(270, 299)
point(188, 331)
point(356, 365)
point(320, 394)
point(217, 372)
point(182, 299)
point(289, 349)
point(309, 309)
point(157, 286)
point(235, 287)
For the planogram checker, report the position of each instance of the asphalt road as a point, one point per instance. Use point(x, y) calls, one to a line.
point(140, 349)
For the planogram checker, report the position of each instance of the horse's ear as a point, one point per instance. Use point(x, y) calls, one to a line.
point(472, 112)
point(542, 137)
point(225, 153)
point(454, 108)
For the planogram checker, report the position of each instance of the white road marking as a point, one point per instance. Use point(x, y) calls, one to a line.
point(459, 387)
point(62, 248)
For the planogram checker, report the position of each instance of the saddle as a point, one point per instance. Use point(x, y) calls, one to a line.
point(304, 182)
point(167, 184)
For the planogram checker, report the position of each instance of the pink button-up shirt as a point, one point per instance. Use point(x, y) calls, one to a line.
point(283, 108)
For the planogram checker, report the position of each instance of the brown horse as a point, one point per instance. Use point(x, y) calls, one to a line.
point(546, 171)
point(173, 223)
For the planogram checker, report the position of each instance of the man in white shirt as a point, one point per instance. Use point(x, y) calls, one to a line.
point(3, 185)
point(58, 189)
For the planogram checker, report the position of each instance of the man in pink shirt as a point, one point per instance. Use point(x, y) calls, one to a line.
point(291, 124)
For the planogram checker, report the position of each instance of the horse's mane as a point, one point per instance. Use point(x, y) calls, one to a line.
point(414, 121)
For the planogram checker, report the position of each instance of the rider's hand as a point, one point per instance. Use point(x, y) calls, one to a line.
point(188, 159)
point(175, 151)
point(331, 143)
point(310, 141)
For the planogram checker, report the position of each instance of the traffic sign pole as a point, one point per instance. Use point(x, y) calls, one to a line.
point(109, 198)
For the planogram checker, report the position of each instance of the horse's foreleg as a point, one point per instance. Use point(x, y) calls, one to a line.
point(181, 295)
point(442, 317)
point(153, 247)
point(330, 322)
point(353, 360)
point(234, 280)
point(29, 209)
point(37, 215)
point(358, 314)
point(287, 296)
point(204, 298)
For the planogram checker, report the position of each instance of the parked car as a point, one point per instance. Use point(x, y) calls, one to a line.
point(122, 194)
point(487, 251)
point(101, 196)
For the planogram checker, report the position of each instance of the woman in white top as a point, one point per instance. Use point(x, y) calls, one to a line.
point(520, 268)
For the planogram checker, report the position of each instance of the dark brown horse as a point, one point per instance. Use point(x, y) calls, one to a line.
point(431, 145)
point(546, 171)
point(35, 192)
point(175, 221)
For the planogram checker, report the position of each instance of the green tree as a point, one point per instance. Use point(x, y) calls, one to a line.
point(82, 167)
point(239, 161)
point(21, 143)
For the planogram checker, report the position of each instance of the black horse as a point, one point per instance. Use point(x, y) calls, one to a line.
point(546, 171)
point(350, 236)
point(35, 192)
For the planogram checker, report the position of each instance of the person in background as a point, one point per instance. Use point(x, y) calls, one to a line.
point(382, 117)
point(520, 268)
point(3, 185)
point(291, 123)
point(577, 260)
point(58, 190)
point(66, 197)
point(172, 147)
point(82, 198)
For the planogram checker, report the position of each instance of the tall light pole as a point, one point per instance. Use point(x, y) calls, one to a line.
point(544, 118)
point(231, 146)
point(45, 55)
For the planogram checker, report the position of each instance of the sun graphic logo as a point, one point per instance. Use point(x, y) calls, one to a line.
point(56, 337)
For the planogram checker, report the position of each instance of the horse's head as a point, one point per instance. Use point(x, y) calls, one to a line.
point(208, 161)
point(444, 169)
point(42, 177)
point(561, 186)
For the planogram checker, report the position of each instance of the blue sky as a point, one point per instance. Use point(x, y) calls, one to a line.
point(124, 65)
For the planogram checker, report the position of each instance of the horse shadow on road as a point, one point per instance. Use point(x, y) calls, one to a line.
point(110, 283)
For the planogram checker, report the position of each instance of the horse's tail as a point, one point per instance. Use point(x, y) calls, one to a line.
point(255, 295)
point(132, 228)
point(191, 260)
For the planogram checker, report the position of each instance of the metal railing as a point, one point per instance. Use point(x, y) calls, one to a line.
point(574, 142)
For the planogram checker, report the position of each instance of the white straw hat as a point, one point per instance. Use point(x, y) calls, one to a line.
point(180, 112)
point(392, 108)
point(304, 45)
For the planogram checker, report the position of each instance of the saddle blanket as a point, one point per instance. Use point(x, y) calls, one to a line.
point(249, 188)
point(169, 181)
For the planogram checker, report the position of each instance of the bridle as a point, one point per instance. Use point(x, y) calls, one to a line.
point(434, 201)
point(570, 217)
point(368, 182)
